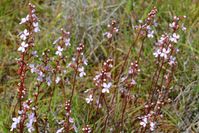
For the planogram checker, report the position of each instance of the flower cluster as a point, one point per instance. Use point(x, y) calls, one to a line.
point(31, 19)
point(27, 35)
point(128, 81)
point(165, 48)
point(149, 22)
point(66, 123)
point(145, 28)
point(151, 15)
point(102, 81)
point(23, 115)
point(162, 47)
point(65, 38)
point(68, 108)
point(79, 61)
point(103, 78)
point(147, 119)
point(26, 114)
point(16, 121)
point(112, 29)
point(63, 41)
point(86, 129)
point(132, 73)
point(165, 53)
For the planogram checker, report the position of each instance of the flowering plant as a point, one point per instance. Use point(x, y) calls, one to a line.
point(108, 95)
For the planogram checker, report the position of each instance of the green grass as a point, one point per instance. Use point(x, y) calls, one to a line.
point(87, 20)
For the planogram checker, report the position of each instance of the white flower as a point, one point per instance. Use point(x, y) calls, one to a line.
point(133, 82)
point(24, 20)
point(155, 23)
point(183, 27)
point(140, 21)
point(130, 71)
point(32, 68)
point(150, 34)
point(164, 52)
point(24, 34)
point(29, 125)
point(60, 130)
point(172, 60)
point(67, 42)
point(106, 87)
point(57, 79)
point(148, 28)
point(15, 122)
point(59, 51)
point(85, 61)
point(172, 25)
point(23, 47)
point(157, 53)
point(81, 72)
point(36, 26)
point(152, 126)
point(20, 112)
point(108, 34)
point(34, 53)
point(40, 76)
point(25, 105)
point(116, 29)
point(36, 29)
point(48, 80)
point(174, 38)
point(71, 120)
point(144, 122)
point(161, 40)
point(89, 99)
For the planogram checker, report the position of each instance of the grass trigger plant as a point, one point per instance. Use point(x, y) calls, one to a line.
point(68, 94)
point(27, 38)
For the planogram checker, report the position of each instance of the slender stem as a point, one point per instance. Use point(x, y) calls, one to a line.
point(73, 88)
point(74, 78)
point(106, 120)
point(123, 111)
point(124, 64)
